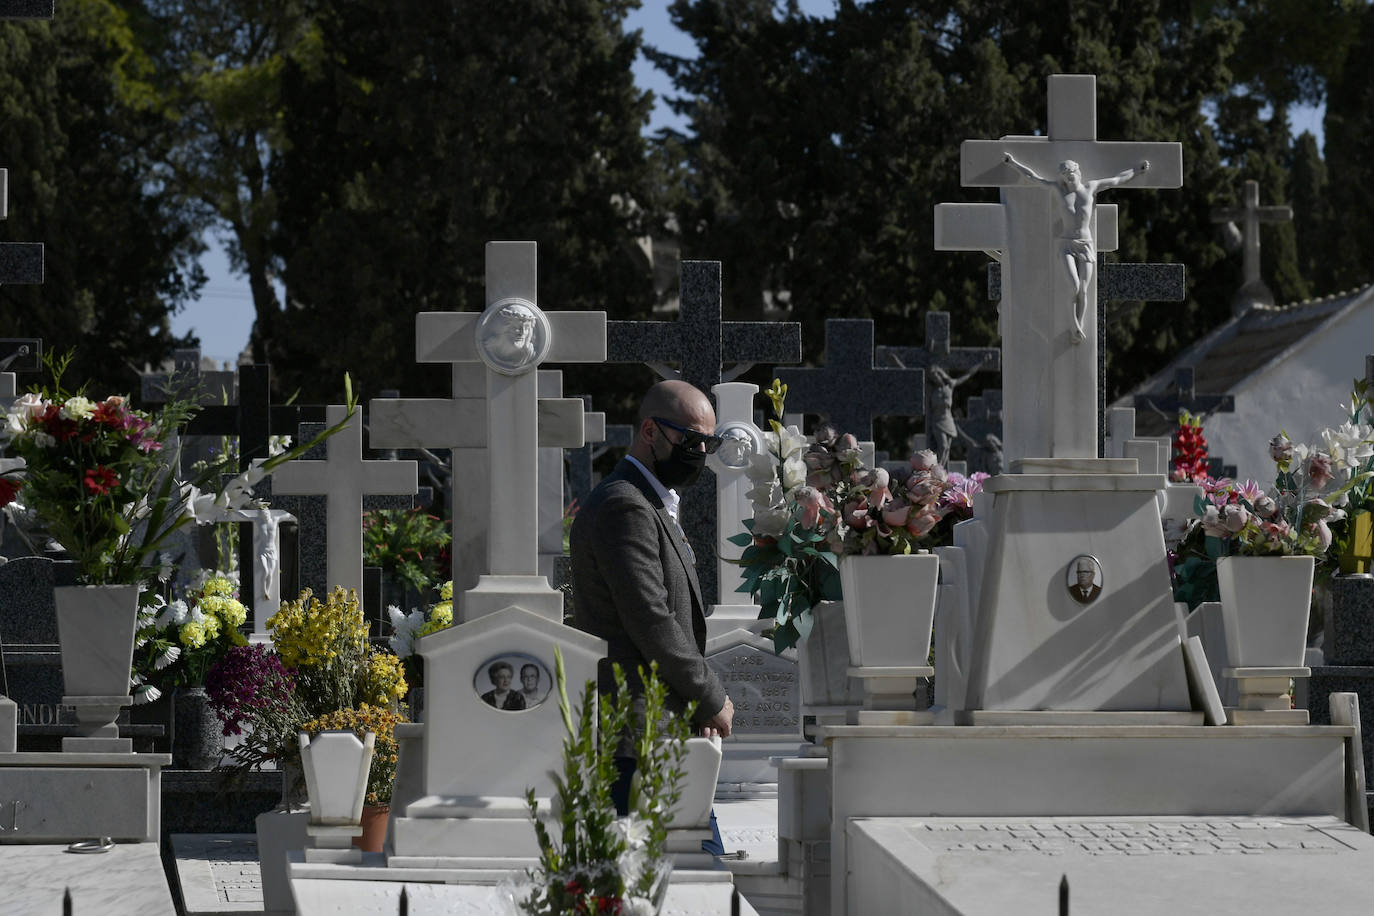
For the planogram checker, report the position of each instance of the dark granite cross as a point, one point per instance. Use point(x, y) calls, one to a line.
point(253, 420)
point(1184, 396)
point(26, 9)
point(850, 390)
point(937, 353)
point(982, 417)
point(20, 262)
point(699, 341)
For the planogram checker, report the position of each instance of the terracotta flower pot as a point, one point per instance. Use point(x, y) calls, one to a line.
point(375, 818)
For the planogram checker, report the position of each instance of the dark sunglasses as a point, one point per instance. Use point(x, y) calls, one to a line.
point(691, 438)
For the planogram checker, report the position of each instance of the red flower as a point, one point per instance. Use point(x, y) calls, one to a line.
point(108, 414)
point(572, 887)
point(101, 480)
point(8, 490)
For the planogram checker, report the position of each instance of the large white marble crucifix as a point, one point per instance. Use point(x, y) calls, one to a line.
point(345, 477)
point(1049, 349)
point(512, 337)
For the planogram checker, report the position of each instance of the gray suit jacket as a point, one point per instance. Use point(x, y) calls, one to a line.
point(636, 588)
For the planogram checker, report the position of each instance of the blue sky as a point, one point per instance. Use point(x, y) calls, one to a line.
point(223, 316)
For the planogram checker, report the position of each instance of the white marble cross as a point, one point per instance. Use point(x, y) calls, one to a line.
point(1250, 214)
point(459, 424)
point(345, 477)
point(735, 424)
point(1049, 377)
point(513, 336)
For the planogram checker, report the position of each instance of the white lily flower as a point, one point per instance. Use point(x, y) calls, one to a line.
point(793, 471)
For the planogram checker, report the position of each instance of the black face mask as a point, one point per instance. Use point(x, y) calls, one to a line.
point(681, 468)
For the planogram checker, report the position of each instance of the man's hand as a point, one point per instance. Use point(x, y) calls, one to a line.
point(719, 724)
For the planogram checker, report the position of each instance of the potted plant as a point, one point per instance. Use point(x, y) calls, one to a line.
point(323, 653)
point(176, 644)
point(590, 860)
point(96, 474)
point(825, 528)
point(381, 775)
point(410, 546)
point(1256, 551)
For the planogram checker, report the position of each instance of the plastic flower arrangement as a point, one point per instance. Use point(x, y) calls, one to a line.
point(177, 642)
point(382, 722)
point(816, 501)
point(96, 475)
point(590, 860)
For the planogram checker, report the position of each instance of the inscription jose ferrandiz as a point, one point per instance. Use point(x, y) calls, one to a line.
point(1130, 837)
point(763, 689)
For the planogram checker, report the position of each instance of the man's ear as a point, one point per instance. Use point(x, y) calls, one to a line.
point(646, 430)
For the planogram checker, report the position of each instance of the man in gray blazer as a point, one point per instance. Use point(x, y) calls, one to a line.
point(633, 574)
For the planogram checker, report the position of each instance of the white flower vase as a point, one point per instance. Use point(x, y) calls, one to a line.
point(336, 765)
point(1265, 602)
point(889, 611)
point(95, 629)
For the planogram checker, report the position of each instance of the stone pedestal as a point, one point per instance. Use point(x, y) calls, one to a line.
point(96, 730)
point(9, 725)
point(66, 797)
point(1264, 697)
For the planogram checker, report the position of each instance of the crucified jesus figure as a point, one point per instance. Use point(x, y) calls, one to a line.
point(1076, 198)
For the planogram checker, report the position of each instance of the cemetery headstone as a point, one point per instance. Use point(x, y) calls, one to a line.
point(1183, 396)
point(1250, 214)
point(937, 354)
point(701, 344)
point(344, 477)
point(1050, 383)
point(850, 389)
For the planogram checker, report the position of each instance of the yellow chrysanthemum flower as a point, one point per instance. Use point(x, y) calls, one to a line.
point(446, 590)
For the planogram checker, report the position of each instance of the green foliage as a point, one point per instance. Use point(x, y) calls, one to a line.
point(789, 576)
point(84, 179)
point(406, 543)
point(427, 129)
point(592, 861)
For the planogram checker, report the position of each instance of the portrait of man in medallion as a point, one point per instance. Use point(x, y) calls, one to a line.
point(1084, 579)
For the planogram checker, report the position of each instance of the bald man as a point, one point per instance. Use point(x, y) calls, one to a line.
point(633, 574)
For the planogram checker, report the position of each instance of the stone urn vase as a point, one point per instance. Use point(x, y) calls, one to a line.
point(197, 736)
point(823, 661)
point(1265, 603)
point(95, 628)
point(889, 608)
point(336, 766)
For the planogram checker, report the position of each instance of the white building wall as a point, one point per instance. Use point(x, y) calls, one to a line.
point(1300, 394)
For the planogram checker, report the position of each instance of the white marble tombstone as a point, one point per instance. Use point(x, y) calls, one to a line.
point(345, 477)
point(1042, 650)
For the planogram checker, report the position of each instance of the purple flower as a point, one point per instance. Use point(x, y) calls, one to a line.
point(247, 680)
